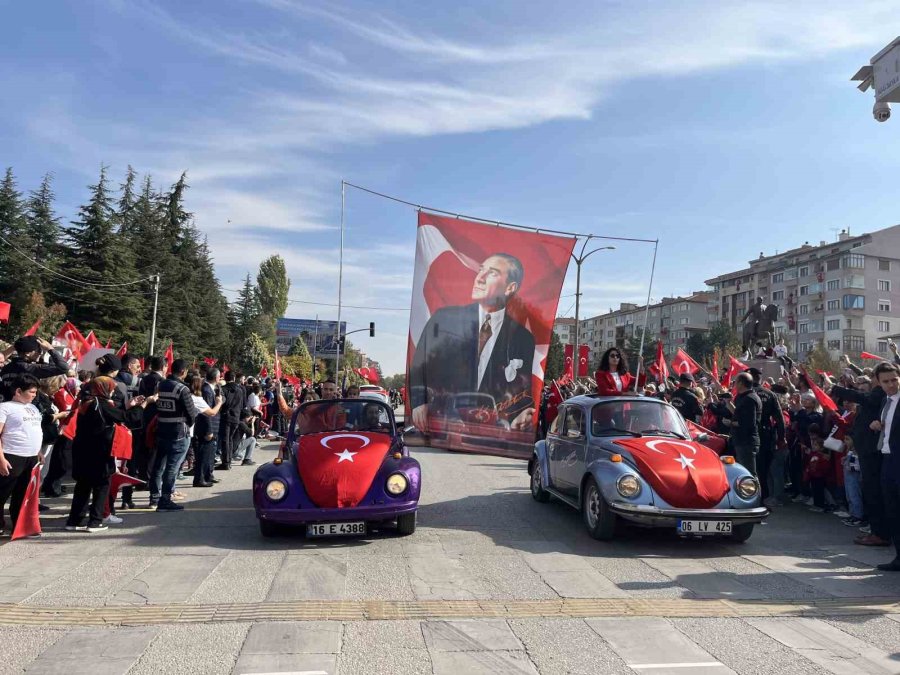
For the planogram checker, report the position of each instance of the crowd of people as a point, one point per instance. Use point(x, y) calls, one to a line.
point(183, 421)
point(841, 458)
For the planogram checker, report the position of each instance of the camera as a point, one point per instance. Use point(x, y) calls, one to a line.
point(882, 111)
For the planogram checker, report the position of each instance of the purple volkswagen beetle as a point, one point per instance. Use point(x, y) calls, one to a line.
point(342, 469)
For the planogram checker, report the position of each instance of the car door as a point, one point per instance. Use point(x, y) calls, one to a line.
point(553, 446)
point(571, 451)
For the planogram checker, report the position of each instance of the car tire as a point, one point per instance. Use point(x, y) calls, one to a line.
point(269, 529)
point(406, 524)
point(741, 533)
point(598, 517)
point(537, 491)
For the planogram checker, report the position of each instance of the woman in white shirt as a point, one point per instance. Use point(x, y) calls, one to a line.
point(20, 444)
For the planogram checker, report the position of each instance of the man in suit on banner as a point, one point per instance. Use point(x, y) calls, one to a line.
point(478, 348)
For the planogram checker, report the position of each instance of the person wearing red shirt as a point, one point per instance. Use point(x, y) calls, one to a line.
point(613, 378)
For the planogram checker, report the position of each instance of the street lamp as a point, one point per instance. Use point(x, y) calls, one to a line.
point(582, 256)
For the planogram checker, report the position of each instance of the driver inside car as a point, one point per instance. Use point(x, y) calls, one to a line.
point(371, 418)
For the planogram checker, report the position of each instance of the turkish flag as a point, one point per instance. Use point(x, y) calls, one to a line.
point(686, 474)
point(824, 399)
point(337, 469)
point(734, 367)
point(553, 402)
point(682, 363)
point(123, 350)
point(169, 357)
point(34, 328)
point(715, 365)
point(277, 367)
point(71, 424)
point(92, 341)
point(29, 521)
point(568, 367)
point(108, 344)
point(659, 368)
point(264, 372)
point(70, 336)
point(584, 353)
point(116, 483)
point(211, 362)
point(715, 442)
point(4, 312)
point(867, 355)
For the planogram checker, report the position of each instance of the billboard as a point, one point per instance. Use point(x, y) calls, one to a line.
point(320, 336)
point(483, 305)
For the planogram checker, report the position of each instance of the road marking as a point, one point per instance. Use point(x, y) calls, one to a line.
point(650, 666)
point(390, 610)
point(293, 672)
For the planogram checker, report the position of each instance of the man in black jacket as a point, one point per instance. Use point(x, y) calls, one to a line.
point(745, 425)
point(176, 413)
point(28, 349)
point(771, 430)
point(888, 427)
point(685, 400)
point(235, 402)
point(869, 400)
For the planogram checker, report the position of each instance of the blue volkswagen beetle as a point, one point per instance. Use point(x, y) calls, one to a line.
point(628, 458)
point(342, 469)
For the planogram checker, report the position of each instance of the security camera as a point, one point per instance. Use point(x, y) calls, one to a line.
point(882, 111)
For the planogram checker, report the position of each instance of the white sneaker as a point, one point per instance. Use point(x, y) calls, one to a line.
point(76, 528)
point(841, 514)
point(112, 519)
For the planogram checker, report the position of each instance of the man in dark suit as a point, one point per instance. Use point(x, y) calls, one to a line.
point(478, 348)
point(888, 426)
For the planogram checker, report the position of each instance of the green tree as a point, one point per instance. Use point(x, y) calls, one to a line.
point(300, 359)
point(107, 300)
point(242, 314)
point(44, 228)
point(253, 354)
point(556, 358)
point(127, 211)
point(36, 309)
point(633, 348)
point(17, 273)
point(272, 286)
point(818, 358)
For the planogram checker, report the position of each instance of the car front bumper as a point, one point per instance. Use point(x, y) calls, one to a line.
point(370, 513)
point(656, 517)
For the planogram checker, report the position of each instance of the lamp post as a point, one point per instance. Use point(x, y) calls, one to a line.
point(582, 256)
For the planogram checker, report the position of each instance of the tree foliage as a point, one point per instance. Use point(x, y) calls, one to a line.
point(272, 287)
point(556, 358)
point(253, 354)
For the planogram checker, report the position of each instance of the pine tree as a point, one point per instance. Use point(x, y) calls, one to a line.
point(556, 359)
point(18, 275)
point(243, 314)
point(272, 286)
point(127, 203)
point(100, 255)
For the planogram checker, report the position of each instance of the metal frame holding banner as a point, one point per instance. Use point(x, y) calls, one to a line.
point(483, 305)
point(321, 336)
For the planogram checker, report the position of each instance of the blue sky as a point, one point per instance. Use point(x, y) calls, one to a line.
point(724, 129)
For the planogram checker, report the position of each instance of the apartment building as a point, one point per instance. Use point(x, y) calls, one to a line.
point(565, 330)
point(672, 320)
point(842, 293)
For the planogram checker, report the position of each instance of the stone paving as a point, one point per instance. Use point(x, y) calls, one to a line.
point(491, 582)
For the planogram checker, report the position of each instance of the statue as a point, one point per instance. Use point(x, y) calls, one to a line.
point(759, 324)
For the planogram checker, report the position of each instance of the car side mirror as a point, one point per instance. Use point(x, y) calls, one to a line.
point(701, 438)
point(409, 429)
point(573, 433)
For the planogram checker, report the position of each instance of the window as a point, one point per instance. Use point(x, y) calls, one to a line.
point(884, 326)
point(832, 265)
point(610, 333)
point(574, 423)
point(803, 309)
point(855, 281)
point(884, 305)
point(804, 271)
point(882, 345)
point(804, 327)
point(804, 346)
point(777, 295)
point(804, 290)
point(834, 345)
point(652, 312)
point(854, 302)
point(778, 278)
point(854, 343)
point(884, 285)
point(884, 265)
point(683, 307)
point(854, 261)
point(833, 285)
point(683, 321)
point(833, 324)
point(833, 305)
point(555, 424)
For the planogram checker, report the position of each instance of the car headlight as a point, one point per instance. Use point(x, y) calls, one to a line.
point(396, 484)
point(746, 487)
point(276, 490)
point(628, 485)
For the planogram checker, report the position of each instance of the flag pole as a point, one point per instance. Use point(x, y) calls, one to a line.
point(155, 305)
point(337, 362)
point(646, 316)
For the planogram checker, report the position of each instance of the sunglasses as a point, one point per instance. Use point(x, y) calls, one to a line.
point(614, 356)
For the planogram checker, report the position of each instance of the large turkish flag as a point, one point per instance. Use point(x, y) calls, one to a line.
point(686, 474)
point(337, 468)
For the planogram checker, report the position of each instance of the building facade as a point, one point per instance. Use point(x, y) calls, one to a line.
point(564, 328)
point(841, 294)
point(672, 320)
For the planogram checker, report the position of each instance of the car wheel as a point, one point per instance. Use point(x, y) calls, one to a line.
point(742, 532)
point(406, 523)
point(598, 518)
point(537, 491)
point(269, 529)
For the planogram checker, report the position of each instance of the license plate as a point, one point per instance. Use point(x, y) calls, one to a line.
point(335, 529)
point(704, 526)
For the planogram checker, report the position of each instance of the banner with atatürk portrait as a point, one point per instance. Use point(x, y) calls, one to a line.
point(483, 305)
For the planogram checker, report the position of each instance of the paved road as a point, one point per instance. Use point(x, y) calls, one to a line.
point(490, 582)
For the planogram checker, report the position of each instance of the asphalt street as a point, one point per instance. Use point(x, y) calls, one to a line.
point(491, 582)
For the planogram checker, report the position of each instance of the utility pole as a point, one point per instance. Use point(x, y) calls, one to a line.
point(155, 305)
point(337, 362)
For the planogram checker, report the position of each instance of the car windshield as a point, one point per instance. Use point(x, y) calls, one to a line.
point(343, 415)
point(637, 417)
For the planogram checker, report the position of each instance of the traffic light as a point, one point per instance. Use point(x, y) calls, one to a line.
point(371, 329)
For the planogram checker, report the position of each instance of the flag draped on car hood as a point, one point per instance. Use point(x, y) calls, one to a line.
point(686, 474)
point(337, 468)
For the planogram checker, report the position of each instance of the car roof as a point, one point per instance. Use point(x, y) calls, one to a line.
point(589, 400)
